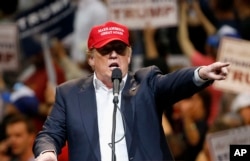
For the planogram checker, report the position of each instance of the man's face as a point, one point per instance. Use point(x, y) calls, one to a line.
point(115, 54)
point(19, 139)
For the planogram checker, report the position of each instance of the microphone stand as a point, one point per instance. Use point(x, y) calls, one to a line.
point(115, 101)
point(116, 79)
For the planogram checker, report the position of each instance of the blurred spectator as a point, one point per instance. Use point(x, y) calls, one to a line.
point(224, 13)
point(70, 68)
point(32, 94)
point(20, 98)
point(243, 10)
point(7, 81)
point(224, 31)
point(211, 47)
point(189, 126)
point(226, 102)
point(4, 156)
point(152, 56)
point(38, 77)
point(35, 76)
point(183, 35)
point(20, 134)
point(212, 40)
point(136, 39)
point(225, 122)
point(4, 147)
point(21, 101)
point(8, 10)
point(241, 105)
point(150, 47)
point(196, 30)
point(88, 14)
point(24, 100)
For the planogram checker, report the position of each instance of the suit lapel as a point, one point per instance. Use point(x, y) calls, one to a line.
point(88, 109)
point(127, 108)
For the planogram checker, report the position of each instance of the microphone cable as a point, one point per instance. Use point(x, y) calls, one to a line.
point(125, 129)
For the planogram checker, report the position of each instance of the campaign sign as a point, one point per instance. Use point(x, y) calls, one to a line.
point(136, 14)
point(220, 144)
point(9, 47)
point(239, 152)
point(54, 18)
point(236, 52)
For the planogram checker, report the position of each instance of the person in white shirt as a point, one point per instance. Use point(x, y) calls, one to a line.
point(88, 14)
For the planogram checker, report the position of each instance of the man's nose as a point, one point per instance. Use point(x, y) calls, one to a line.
point(113, 54)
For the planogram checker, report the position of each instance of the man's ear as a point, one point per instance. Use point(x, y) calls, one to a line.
point(91, 61)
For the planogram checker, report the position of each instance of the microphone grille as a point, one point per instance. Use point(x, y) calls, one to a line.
point(116, 74)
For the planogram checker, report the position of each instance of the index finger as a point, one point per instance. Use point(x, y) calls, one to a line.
point(223, 64)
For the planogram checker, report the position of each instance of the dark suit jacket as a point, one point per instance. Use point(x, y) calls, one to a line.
point(145, 95)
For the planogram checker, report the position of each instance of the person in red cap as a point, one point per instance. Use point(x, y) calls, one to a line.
point(84, 115)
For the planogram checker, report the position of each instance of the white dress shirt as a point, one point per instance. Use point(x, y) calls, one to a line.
point(105, 107)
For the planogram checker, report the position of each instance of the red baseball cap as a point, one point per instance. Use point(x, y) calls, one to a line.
point(102, 34)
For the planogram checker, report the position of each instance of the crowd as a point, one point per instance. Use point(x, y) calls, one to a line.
point(27, 95)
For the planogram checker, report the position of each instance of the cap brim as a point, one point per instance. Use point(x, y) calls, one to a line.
point(106, 41)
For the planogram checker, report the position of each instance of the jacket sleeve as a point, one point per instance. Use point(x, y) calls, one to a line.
point(53, 135)
point(173, 86)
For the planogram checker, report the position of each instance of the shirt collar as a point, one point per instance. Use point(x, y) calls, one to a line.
point(98, 83)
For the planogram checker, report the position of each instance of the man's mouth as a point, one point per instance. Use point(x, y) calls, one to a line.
point(114, 65)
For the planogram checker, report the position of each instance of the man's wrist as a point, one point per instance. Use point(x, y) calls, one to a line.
point(47, 155)
point(197, 79)
point(200, 74)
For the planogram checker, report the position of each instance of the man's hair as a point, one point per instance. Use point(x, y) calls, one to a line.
point(16, 118)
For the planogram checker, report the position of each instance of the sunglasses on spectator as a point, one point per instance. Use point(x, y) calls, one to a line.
point(118, 47)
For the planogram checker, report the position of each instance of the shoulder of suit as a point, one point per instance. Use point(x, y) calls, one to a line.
point(145, 72)
point(78, 82)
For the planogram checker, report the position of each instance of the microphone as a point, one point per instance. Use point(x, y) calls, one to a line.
point(116, 79)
